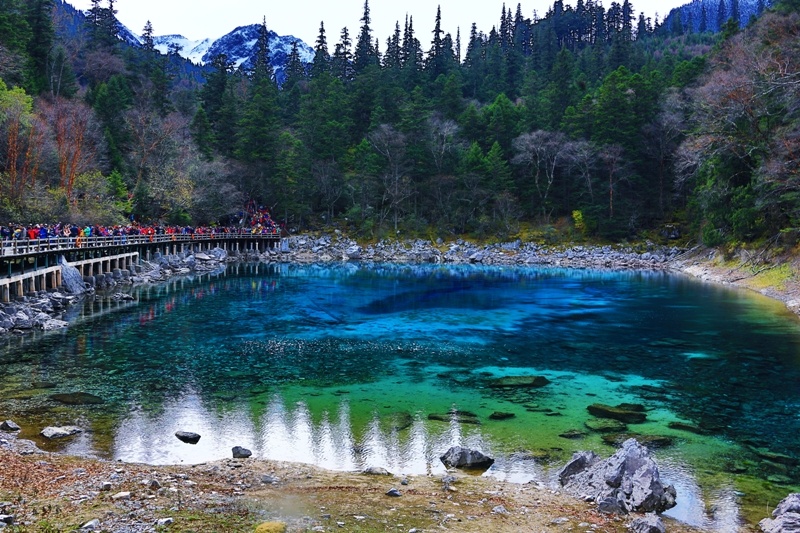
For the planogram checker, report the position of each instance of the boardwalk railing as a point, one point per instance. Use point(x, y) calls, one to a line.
point(22, 247)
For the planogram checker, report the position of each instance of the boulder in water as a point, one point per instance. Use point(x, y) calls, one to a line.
point(241, 453)
point(458, 457)
point(53, 432)
point(187, 436)
point(71, 277)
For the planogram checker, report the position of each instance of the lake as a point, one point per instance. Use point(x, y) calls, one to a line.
point(347, 366)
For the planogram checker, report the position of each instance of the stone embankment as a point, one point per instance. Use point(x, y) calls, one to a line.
point(306, 249)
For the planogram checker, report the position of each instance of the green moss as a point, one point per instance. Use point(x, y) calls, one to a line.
point(773, 278)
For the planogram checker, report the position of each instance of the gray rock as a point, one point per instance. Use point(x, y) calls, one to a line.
point(187, 437)
point(376, 471)
point(394, 493)
point(458, 457)
point(91, 525)
point(785, 517)
point(71, 278)
point(7, 519)
point(649, 523)
point(53, 432)
point(241, 453)
point(164, 522)
point(9, 425)
point(628, 481)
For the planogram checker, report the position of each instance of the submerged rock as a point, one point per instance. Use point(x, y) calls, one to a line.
point(458, 457)
point(500, 415)
point(187, 436)
point(77, 398)
point(651, 441)
point(684, 426)
point(462, 417)
point(623, 412)
point(628, 481)
point(785, 517)
point(572, 434)
point(519, 382)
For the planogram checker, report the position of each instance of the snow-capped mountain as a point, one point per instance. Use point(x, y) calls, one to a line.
point(191, 50)
point(239, 46)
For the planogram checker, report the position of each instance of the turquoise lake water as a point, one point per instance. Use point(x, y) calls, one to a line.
point(341, 366)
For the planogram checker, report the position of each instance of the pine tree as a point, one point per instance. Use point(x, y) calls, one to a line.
point(722, 15)
point(735, 13)
point(365, 53)
point(40, 45)
point(321, 56)
point(342, 61)
point(148, 44)
point(703, 19)
point(392, 58)
point(262, 62)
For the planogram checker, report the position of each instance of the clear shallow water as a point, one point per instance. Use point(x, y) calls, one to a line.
point(341, 365)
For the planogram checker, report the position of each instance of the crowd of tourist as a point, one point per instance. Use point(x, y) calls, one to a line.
point(251, 222)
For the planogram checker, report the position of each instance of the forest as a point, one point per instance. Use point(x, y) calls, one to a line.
point(585, 123)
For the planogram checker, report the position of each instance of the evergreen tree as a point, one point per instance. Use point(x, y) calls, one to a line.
point(262, 61)
point(321, 56)
point(365, 54)
point(703, 19)
point(392, 58)
point(40, 45)
point(722, 15)
point(342, 61)
point(435, 64)
point(735, 14)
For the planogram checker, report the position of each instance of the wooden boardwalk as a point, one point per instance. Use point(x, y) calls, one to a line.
point(31, 265)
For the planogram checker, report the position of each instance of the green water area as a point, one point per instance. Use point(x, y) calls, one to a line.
point(347, 366)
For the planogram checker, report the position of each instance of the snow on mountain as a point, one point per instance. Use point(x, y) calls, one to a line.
point(191, 50)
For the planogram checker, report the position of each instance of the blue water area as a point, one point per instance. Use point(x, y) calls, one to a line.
point(347, 366)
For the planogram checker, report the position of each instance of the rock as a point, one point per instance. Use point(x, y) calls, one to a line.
point(269, 480)
point(7, 519)
point(458, 457)
point(519, 382)
point(651, 441)
point(164, 522)
point(77, 398)
point(52, 432)
point(394, 493)
point(499, 415)
point(458, 416)
point(500, 509)
point(71, 277)
point(572, 434)
point(121, 496)
point(271, 527)
point(376, 471)
point(628, 481)
point(785, 517)
point(9, 425)
point(605, 425)
point(241, 453)
point(187, 436)
point(202, 257)
point(153, 484)
point(91, 525)
point(649, 523)
point(620, 412)
point(105, 486)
